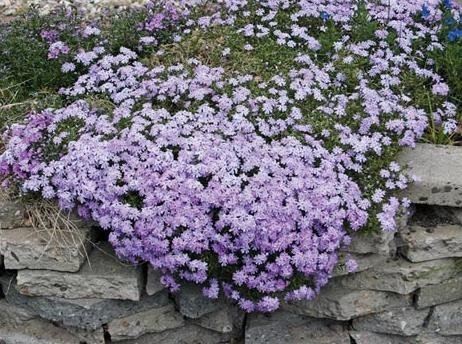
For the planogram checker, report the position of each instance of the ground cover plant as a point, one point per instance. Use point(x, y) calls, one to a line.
point(236, 144)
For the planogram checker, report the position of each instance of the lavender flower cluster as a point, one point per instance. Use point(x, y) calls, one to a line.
point(227, 180)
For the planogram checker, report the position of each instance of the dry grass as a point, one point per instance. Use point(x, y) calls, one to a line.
point(56, 227)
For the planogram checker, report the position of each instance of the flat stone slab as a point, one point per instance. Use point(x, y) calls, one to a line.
point(227, 320)
point(12, 214)
point(192, 304)
point(339, 303)
point(87, 314)
point(28, 248)
point(282, 327)
point(11, 314)
point(446, 319)
point(366, 243)
point(364, 262)
point(153, 284)
point(189, 334)
point(87, 337)
point(450, 290)
point(439, 169)
point(150, 321)
point(362, 337)
point(103, 276)
point(403, 321)
point(38, 332)
point(421, 244)
point(403, 277)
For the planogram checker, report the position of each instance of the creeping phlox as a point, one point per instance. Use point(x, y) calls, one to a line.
point(246, 185)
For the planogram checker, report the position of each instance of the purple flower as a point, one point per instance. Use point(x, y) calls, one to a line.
point(351, 265)
point(237, 182)
point(50, 36)
point(67, 67)
point(56, 49)
point(440, 89)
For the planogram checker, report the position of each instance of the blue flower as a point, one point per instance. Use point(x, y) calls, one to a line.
point(425, 11)
point(449, 21)
point(454, 35)
point(325, 15)
point(447, 3)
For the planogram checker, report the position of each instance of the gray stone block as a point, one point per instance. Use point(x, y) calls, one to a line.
point(192, 304)
point(150, 321)
point(87, 336)
point(37, 331)
point(103, 276)
point(189, 334)
point(229, 319)
point(432, 338)
point(421, 244)
point(28, 248)
point(88, 314)
point(153, 284)
point(403, 277)
point(438, 167)
point(364, 261)
point(362, 337)
point(281, 327)
point(12, 214)
point(446, 319)
point(403, 321)
point(337, 302)
point(365, 243)
point(450, 290)
point(12, 314)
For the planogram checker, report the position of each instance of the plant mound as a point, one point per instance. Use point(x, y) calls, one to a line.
point(240, 143)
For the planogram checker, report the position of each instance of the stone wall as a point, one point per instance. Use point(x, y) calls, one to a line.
point(68, 287)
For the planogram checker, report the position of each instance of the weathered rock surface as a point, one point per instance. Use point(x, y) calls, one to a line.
point(450, 290)
point(282, 327)
point(337, 302)
point(446, 319)
point(403, 277)
point(11, 314)
point(431, 338)
point(421, 244)
point(28, 248)
point(192, 304)
point(102, 277)
point(228, 319)
point(87, 336)
point(189, 334)
point(364, 261)
point(12, 214)
point(153, 284)
point(362, 337)
point(88, 314)
point(438, 167)
point(149, 321)
point(364, 243)
point(37, 332)
point(403, 321)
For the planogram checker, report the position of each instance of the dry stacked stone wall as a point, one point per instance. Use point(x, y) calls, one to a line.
point(68, 287)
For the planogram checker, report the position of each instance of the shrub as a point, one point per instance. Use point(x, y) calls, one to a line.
point(240, 150)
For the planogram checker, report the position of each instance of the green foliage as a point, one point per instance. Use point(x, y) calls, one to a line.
point(30, 81)
point(23, 54)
